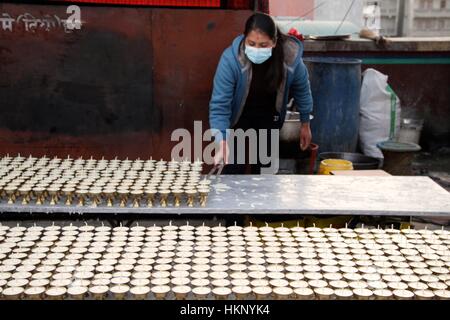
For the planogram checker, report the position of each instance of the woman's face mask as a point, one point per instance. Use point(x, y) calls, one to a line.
point(258, 47)
point(258, 55)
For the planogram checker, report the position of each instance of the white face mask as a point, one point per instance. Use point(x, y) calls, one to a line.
point(258, 55)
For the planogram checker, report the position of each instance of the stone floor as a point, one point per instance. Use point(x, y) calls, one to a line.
point(436, 165)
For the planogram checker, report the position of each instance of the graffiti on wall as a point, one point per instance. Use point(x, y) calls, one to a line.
point(47, 22)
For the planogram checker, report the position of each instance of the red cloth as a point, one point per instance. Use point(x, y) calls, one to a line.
point(294, 32)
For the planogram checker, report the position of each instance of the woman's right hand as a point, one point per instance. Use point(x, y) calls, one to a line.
point(221, 157)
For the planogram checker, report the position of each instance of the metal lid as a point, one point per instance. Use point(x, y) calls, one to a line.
point(398, 146)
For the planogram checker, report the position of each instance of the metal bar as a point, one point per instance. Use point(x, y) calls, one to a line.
point(400, 17)
point(143, 212)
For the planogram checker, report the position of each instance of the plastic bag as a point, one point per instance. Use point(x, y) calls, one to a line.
point(379, 112)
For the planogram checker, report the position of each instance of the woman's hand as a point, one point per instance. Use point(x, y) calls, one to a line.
point(222, 155)
point(305, 136)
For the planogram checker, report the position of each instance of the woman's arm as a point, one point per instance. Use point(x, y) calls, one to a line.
point(301, 92)
point(221, 99)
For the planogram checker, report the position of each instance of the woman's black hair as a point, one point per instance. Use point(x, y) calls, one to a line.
point(264, 23)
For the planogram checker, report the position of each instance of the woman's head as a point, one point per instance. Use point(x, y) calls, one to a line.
point(264, 41)
point(260, 31)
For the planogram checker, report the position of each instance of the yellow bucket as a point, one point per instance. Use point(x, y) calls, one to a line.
point(328, 165)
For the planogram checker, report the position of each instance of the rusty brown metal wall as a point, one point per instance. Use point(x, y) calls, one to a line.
point(187, 48)
point(117, 87)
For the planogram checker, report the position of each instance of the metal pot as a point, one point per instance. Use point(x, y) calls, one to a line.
point(360, 161)
point(290, 132)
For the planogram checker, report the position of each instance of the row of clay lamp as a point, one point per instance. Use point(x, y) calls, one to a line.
point(101, 292)
point(93, 182)
point(166, 262)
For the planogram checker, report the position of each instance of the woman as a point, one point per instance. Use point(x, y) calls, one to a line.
point(253, 81)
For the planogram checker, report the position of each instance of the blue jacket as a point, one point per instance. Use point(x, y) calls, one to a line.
point(232, 83)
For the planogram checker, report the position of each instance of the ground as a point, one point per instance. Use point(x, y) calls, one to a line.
point(436, 165)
